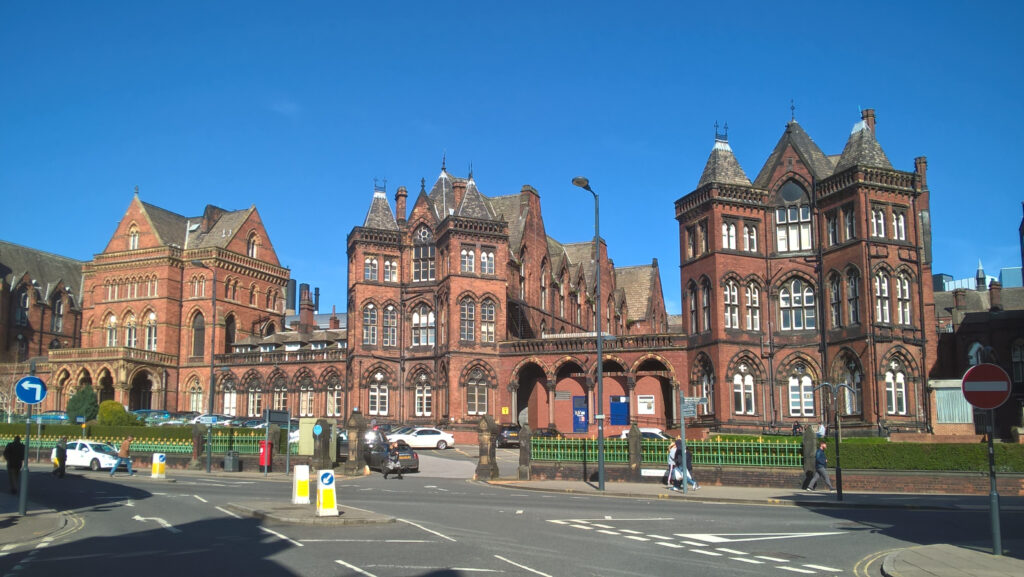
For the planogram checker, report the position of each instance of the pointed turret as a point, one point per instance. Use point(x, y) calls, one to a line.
point(722, 166)
point(862, 149)
point(442, 195)
point(979, 277)
point(380, 216)
point(473, 203)
point(810, 155)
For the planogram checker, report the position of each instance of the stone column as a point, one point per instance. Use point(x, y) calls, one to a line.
point(524, 452)
point(356, 425)
point(636, 457)
point(322, 457)
point(631, 389)
point(487, 467)
point(550, 386)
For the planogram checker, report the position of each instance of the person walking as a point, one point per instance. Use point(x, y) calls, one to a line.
point(820, 469)
point(689, 470)
point(392, 466)
point(60, 462)
point(14, 454)
point(675, 464)
point(124, 456)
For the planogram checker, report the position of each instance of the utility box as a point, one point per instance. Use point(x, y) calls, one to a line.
point(231, 462)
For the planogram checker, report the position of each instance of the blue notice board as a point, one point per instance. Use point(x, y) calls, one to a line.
point(619, 410)
point(579, 414)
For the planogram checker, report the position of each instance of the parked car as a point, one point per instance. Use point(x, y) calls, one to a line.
point(508, 436)
point(215, 419)
point(151, 416)
point(51, 417)
point(648, 433)
point(178, 419)
point(425, 438)
point(377, 453)
point(91, 454)
point(546, 432)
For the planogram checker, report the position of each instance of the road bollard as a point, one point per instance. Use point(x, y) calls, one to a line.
point(300, 485)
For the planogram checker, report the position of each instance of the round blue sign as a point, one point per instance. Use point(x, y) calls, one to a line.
point(30, 390)
point(327, 479)
point(161, 458)
point(317, 429)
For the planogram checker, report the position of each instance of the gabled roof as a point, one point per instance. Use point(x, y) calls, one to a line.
point(637, 283)
point(442, 195)
point(722, 167)
point(172, 229)
point(222, 230)
point(556, 256)
point(168, 226)
point(508, 208)
point(862, 149)
point(581, 255)
point(812, 156)
point(474, 204)
point(380, 216)
point(47, 269)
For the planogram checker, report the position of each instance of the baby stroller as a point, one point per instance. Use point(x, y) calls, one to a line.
point(391, 465)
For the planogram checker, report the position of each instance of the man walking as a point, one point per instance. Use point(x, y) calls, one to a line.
point(60, 466)
point(124, 456)
point(820, 469)
point(14, 454)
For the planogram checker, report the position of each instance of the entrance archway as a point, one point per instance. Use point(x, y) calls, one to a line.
point(106, 387)
point(140, 394)
point(532, 397)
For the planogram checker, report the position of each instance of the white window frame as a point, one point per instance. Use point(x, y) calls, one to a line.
point(743, 394)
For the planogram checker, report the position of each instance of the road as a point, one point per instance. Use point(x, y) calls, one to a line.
point(448, 525)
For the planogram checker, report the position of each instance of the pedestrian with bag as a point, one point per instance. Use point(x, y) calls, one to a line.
point(820, 469)
point(60, 458)
point(124, 456)
point(391, 465)
point(689, 470)
point(14, 454)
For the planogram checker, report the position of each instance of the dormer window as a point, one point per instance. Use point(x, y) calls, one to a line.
point(792, 219)
point(252, 245)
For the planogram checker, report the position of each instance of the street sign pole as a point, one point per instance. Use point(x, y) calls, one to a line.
point(987, 386)
point(993, 494)
point(682, 433)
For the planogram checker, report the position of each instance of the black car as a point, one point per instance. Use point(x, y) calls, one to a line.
point(508, 436)
point(547, 432)
point(375, 454)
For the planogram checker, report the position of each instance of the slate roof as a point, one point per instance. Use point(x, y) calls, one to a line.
point(978, 301)
point(222, 231)
point(636, 283)
point(722, 167)
point(170, 227)
point(442, 195)
point(474, 204)
point(816, 161)
point(508, 209)
point(380, 216)
point(556, 255)
point(862, 149)
point(675, 323)
point(45, 268)
point(581, 254)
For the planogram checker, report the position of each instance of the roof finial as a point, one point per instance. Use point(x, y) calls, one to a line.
point(423, 185)
point(136, 190)
point(792, 111)
point(380, 185)
point(444, 159)
point(721, 136)
point(470, 171)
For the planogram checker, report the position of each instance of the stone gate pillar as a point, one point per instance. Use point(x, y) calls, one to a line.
point(356, 425)
point(486, 467)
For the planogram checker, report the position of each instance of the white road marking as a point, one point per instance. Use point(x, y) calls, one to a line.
point(8, 547)
point(603, 526)
point(706, 552)
point(534, 571)
point(354, 568)
point(226, 512)
point(738, 537)
point(519, 512)
point(747, 560)
point(162, 522)
point(427, 530)
point(41, 545)
point(587, 527)
point(607, 532)
point(423, 568)
point(653, 536)
point(672, 545)
point(695, 544)
point(558, 521)
point(637, 538)
point(368, 541)
point(775, 559)
point(733, 551)
point(200, 498)
point(795, 569)
point(281, 537)
point(821, 567)
point(631, 531)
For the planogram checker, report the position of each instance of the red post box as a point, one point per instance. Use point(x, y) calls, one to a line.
point(266, 454)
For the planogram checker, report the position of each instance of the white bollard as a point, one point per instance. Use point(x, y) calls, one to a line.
point(159, 466)
point(326, 503)
point(300, 485)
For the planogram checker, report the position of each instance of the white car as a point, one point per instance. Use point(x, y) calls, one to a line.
point(91, 454)
point(648, 433)
point(425, 438)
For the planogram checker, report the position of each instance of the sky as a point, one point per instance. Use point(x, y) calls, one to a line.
point(298, 107)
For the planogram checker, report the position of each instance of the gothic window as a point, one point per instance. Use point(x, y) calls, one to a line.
point(467, 260)
point(422, 326)
point(692, 298)
point(423, 256)
point(487, 317)
point(130, 339)
point(334, 396)
point(424, 397)
point(378, 396)
point(832, 226)
point(850, 223)
point(749, 238)
point(753, 316)
point(705, 304)
point(895, 390)
point(729, 235)
point(487, 262)
point(853, 296)
point(253, 292)
point(543, 289)
point(389, 334)
point(878, 222)
point(835, 301)
point(793, 219)
point(111, 331)
point(476, 393)
point(706, 389)
point(1017, 361)
point(467, 320)
point(370, 268)
point(252, 245)
point(899, 226)
point(903, 300)
point(57, 320)
point(21, 308)
point(230, 398)
point(851, 400)
point(691, 242)
point(198, 335)
point(370, 325)
point(306, 397)
point(390, 271)
point(730, 296)
point(229, 334)
point(881, 297)
point(801, 393)
point(743, 391)
point(522, 277)
point(796, 306)
point(133, 238)
point(576, 305)
point(195, 396)
point(974, 354)
point(702, 229)
point(255, 401)
point(150, 330)
point(279, 397)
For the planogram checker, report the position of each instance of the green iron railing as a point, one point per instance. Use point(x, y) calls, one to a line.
point(244, 445)
point(744, 453)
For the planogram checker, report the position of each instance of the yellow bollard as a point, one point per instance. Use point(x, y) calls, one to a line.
point(326, 503)
point(159, 470)
point(300, 485)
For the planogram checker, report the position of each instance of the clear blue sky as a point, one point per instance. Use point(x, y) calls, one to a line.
point(296, 107)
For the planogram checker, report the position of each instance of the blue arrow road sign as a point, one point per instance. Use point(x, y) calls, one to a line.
point(327, 479)
point(30, 390)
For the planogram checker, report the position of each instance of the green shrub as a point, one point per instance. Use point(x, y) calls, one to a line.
point(83, 404)
point(113, 413)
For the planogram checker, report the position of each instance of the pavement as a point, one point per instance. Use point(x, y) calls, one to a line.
point(41, 523)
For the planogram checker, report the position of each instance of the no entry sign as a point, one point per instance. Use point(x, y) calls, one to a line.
point(986, 386)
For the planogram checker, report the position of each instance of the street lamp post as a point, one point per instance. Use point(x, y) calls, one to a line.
point(582, 182)
point(833, 390)
point(213, 346)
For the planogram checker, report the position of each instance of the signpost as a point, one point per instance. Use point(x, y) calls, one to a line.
point(30, 390)
point(987, 386)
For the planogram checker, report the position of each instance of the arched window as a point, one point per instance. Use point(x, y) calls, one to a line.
point(467, 260)
point(195, 396)
point(691, 293)
point(378, 395)
point(706, 388)
point(57, 320)
point(753, 316)
point(198, 335)
point(424, 396)
point(903, 300)
point(852, 400)
point(422, 326)
point(252, 245)
point(853, 296)
point(130, 339)
point(467, 320)
point(133, 238)
point(334, 396)
point(749, 238)
point(21, 308)
point(835, 301)
point(561, 297)
point(705, 304)
point(390, 271)
point(543, 288)
point(487, 317)
point(899, 226)
point(793, 219)
point(731, 300)
point(253, 292)
point(476, 393)
point(975, 353)
point(230, 398)
point(229, 334)
point(1017, 361)
point(151, 331)
point(423, 256)
point(796, 306)
point(878, 222)
point(389, 334)
point(729, 235)
point(881, 297)
point(895, 389)
point(255, 401)
point(801, 393)
point(280, 394)
point(486, 262)
point(111, 331)
point(370, 324)
point(370, 268)
point(743, 391)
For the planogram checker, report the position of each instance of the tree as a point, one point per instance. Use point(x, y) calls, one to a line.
point(113, 413)
point(83, 404)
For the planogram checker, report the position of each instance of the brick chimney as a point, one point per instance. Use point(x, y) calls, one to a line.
point(959, 299)
point(400, 197)
point(335, 322)
point(459, 190)
point(995, 296)
point(306, 321)
point(921, 169)
point(868, 116)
